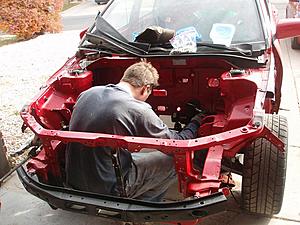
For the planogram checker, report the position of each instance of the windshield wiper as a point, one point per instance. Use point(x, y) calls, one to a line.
point(105, 41)
point(244, 49)
point(107, 38)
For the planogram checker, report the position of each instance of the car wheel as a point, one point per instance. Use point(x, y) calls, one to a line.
point(294, 43)
point(4, 165)
point(264, 171)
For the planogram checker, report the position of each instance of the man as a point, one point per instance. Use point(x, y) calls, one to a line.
point(121, 109)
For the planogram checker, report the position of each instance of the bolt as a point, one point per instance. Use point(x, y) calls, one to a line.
point(256, 124)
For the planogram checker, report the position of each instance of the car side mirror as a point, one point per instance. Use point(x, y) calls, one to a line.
point(287, 28)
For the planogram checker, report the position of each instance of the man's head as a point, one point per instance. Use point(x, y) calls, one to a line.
point(142, 77)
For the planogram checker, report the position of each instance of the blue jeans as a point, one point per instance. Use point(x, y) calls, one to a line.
point(151, 175)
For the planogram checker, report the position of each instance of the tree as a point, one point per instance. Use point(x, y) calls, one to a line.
point(28, 18)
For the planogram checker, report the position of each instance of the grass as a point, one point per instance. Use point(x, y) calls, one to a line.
point(8, 40)
point(69, 4)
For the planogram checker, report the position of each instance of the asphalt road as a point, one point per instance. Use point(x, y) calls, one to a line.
point(80, 16)
point(77, 22)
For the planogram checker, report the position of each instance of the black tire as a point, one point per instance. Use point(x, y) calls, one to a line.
point(294, 43)
point(4, 165)
point(264, 171)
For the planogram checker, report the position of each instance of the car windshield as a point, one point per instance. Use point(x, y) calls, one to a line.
point(237, 20)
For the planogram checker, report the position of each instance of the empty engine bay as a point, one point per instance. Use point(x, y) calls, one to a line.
point(186, 87)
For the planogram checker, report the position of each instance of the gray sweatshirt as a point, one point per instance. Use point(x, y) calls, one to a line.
point(111, 110)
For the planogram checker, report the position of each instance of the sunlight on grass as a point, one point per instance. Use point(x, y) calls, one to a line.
point(8, 40)
point(68, 5)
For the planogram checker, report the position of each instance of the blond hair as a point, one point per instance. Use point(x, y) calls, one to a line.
point(140, 74)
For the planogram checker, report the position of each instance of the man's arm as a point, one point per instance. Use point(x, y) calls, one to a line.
point(153, 126)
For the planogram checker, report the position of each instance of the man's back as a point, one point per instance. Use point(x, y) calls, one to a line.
point(112, 110)
point(109, 110)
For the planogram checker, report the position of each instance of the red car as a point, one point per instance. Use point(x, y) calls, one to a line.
point(293, 11)
point(223, 59)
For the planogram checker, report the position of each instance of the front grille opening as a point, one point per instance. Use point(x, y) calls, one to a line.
point(107, 213)
point(199, 213)
point(77, 207)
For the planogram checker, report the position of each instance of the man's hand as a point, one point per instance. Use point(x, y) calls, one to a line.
point(197, 119)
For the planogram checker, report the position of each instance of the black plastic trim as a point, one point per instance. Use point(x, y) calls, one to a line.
point(122, 209)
